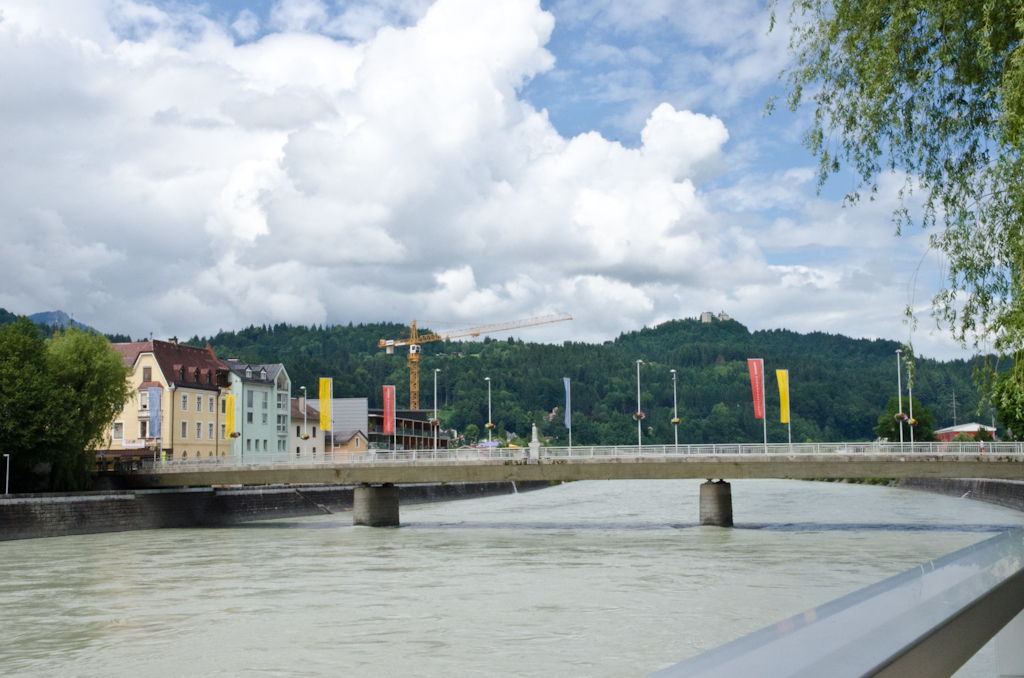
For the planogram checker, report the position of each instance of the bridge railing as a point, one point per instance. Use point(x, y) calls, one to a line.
point(924, 622)
point(953, 449)
point(588, 451)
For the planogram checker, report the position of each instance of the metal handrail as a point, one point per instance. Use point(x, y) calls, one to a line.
point(1000, 449)
point(925, 622)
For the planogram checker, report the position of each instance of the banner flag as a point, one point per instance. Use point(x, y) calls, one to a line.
point(154, 412)
point(783, 377)
point(568, 403)
point(229, 416)
point(326, 393)
point(756, 367)
point(389, 410)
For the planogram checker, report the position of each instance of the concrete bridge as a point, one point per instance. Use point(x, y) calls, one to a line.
point(376, 472)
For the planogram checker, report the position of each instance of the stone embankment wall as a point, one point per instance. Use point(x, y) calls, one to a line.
point(30, 516)
point(1009, 493)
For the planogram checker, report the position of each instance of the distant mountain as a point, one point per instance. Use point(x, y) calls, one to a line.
point(61, 318)
point(45, 321)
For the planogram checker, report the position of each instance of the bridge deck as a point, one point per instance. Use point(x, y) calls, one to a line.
point(725, 466)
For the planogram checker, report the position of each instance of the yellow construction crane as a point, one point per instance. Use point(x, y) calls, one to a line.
point(415, 339)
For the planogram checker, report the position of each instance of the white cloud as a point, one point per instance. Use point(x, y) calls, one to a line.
point(168, 180)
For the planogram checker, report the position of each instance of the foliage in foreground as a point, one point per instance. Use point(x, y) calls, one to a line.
point(933, 91)
point(57, 398)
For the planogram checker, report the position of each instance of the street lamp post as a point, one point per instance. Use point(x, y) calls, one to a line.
point(7, 479)
point(437, 424)
point(304, 420)
point(910, 397)
point(675, 408)
point(488, 380)
point(639, 439)
point(899, 385)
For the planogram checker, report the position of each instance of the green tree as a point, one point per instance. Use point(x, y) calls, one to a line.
point(934, 90)
point(923, 429)
point(92, 387)
point(28, 401)
point(471, 433)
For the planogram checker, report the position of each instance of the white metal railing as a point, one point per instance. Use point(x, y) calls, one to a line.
point(924, 622)
point(596, 451)
point(945, 449)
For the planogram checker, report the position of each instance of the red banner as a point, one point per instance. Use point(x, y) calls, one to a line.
point(389, 409)
point(756, 366)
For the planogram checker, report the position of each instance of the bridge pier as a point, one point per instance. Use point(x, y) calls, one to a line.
point(375, 505)
point(716, 503)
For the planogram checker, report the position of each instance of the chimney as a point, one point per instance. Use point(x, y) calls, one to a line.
point(174, 340)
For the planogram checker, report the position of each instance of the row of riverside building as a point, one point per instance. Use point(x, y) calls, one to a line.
point(178, 410)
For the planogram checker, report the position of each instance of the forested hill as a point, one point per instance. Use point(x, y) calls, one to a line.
point(839, 386)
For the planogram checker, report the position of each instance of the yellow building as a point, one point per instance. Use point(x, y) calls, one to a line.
point(187, 422)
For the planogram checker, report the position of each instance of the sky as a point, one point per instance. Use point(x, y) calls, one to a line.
point(176, 169)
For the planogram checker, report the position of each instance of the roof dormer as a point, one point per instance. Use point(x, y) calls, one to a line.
point(248, 373)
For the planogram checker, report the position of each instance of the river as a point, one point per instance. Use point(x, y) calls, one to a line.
point(598, 579)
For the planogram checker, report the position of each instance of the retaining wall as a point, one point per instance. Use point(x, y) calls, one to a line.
point(1009, 493)
point(31, 516)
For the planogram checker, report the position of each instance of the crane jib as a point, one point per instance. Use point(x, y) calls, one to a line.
point(415, 339)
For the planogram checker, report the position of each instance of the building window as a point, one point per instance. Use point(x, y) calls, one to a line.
point(314, 451)
point(184, 402)
point(223, 405)
point(143, 429)
point(199, 430)
point(184, 430)
point(147, 374)
point(199, 403)
point(184, 456)
point(248, 444)
point(263, 375)
point(211, 405)
point(223, 431)
point(248, 373)
point(314, 431)
point(118, 430)
point(266, 397)
point(297, 453)
point(282, 424)
point(181, 374)
point(207, 377)
point(297, 433)
point(264, 418)
point(282, 400)
point(144, 400)
point(248, 399)
point(248, 417)
point(357, 442)
point(210, 432)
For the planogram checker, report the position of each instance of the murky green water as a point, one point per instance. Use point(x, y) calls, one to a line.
point(586, 579)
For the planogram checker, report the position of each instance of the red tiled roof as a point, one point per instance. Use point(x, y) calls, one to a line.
point(171, 357)
point(311, 412)
point(130, 351)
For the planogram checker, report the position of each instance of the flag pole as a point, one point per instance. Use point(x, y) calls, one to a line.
point(764, 411)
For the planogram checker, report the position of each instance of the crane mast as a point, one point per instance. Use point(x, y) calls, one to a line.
point(415, 339)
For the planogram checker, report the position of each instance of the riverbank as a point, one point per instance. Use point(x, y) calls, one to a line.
point(33, 516)
point(1008, 493)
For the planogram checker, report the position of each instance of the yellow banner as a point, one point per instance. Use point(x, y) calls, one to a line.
point(229, 415)
point(783, 377)
point(326, 391)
